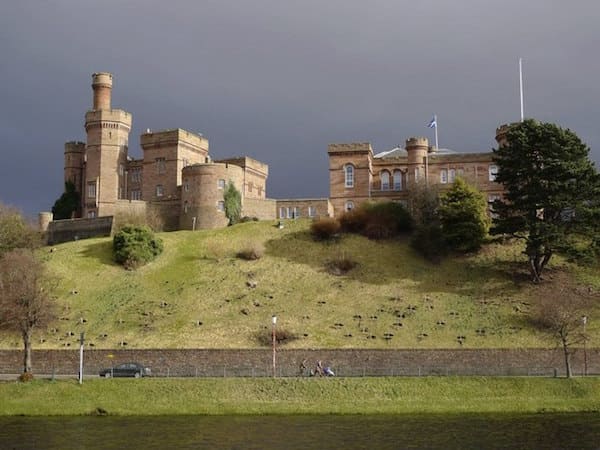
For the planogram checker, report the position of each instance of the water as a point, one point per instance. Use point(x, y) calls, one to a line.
point(541, 431)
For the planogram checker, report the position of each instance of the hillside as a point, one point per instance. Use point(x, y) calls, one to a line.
point(199, 294)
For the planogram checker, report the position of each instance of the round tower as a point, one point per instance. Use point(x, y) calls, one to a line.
point(44, 219)
point(501, 132)
point(74, 162)
point(417, 148)
point(102, 85)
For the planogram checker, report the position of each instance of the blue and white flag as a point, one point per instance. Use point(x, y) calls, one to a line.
point(432, 123)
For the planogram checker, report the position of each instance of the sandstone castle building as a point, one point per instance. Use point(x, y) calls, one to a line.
point(177, 180)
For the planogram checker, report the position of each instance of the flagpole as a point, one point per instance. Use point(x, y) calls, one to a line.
point(436, 134)
point(521, 84)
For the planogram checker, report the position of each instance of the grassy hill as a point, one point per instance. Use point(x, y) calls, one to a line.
point(199, 294)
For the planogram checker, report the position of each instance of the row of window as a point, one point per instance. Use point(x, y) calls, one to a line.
point(220, 206)
point(446, 176)
point(289, 212)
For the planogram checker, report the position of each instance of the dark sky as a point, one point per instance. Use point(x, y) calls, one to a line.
point(279, 80)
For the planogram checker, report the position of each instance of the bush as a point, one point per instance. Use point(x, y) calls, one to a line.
point(248, 219)
point(429, 241)
point(25, 377)
point(282, 336)
point(233, 203)
point(340, 265)
point(251, 251)
point(377, 220)
point(136, 246)
point(324, 229)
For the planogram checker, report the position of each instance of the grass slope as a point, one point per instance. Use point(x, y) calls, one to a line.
point(196, 294)
point(301, 396)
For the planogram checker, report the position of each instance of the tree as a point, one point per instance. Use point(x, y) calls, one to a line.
point(559, 314)
point(134, 246)
point(427, 237)
point(233, 203)
point(67, 203)
point(25, 303)
point(463, 217)
point(551, 191)
point(15, 232)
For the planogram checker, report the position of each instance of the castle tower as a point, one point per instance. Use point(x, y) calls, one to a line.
point(417, 149)
point(106, 151)
point(74, 167)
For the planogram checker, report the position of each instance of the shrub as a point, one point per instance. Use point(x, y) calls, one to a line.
point(429, 241)
point(136, 246)
point(233, 203)
point(377, 220)
point(355, 220)
point(25, 377)
point(67, 203)
point(248, 219)
point(324, 229)
point(251, 251)
point(340, 265)
point(282, 336)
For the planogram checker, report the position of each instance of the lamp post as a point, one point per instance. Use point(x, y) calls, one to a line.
point(274, 325)
point(585, 368)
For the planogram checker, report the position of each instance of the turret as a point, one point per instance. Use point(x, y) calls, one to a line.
point(417, 148)
point(102, 85)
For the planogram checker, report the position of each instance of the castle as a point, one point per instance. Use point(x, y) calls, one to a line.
point(177, 179)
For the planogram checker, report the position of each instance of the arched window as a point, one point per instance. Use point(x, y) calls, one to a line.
point(385, 180)
point(349, 175)
point(397, 180)
point(349, 205)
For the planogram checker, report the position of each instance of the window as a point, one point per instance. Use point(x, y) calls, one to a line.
point(121, 169)
point(136, 194)
point(349, 205)
point(136, 174)
point(250, 186)
point(397, 180)
point(160, 191)
point(185, 207)
point(221, 205)
point(296, 212)
point(385, 180)
point(221, 184)
point(288, 213)
point(417, 174)
point(186, 185)
point(493, 172)
point(282, 213)
point(312, 211)
point(91, 189)
point(161, 165)
point(451, 175)
point(444, 176)
point(349, 175)
point(91, 214)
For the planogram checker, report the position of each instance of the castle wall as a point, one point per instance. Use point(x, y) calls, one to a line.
point(73, 229)
point(262, 209)
point(255, 176)
point(304, 207)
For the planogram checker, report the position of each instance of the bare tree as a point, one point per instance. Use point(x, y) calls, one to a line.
point(15, 231)
point(25, 303)
point(559, 314)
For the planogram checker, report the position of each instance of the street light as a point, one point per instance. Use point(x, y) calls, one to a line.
point(274, 323)
point(584, 322)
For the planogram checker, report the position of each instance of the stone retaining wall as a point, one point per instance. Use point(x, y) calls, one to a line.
point(345, 362)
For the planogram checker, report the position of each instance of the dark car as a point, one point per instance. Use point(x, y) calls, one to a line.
point(126, 370)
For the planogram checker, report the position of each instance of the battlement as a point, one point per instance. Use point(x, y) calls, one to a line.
point(107, 117)
point(246, 162)
point(417, 141)
point(163, 138)
point(364, 147)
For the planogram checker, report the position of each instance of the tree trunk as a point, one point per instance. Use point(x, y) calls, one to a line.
point(27, 351)
point(534, 265)
point(567, 358)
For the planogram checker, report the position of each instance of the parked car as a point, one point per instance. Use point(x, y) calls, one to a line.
point(126, 370)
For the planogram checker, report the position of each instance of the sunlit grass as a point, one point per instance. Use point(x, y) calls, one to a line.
point(197, 294)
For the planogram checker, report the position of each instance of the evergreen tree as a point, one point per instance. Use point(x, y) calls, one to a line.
point(233, 203)
point(67, 203)
point(463, 217)
point(552, 191)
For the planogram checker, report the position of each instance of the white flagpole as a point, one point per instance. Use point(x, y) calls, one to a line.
point(436, 133)
point(521, 84)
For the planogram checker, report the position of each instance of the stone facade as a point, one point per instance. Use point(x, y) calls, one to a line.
point(312, 208)
point(357, 175)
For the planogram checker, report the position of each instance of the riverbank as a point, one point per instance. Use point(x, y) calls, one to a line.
point(258, 396)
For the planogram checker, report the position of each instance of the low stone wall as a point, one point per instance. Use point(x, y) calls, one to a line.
point(345, 362)
point(73, 229)
point(263, 209)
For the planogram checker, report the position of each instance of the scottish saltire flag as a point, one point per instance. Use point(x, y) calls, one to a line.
point(432, 123)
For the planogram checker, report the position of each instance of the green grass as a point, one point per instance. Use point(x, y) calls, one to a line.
point(198, 279)
point(301, 396)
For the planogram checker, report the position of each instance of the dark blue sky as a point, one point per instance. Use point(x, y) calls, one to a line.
point(279, 80)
